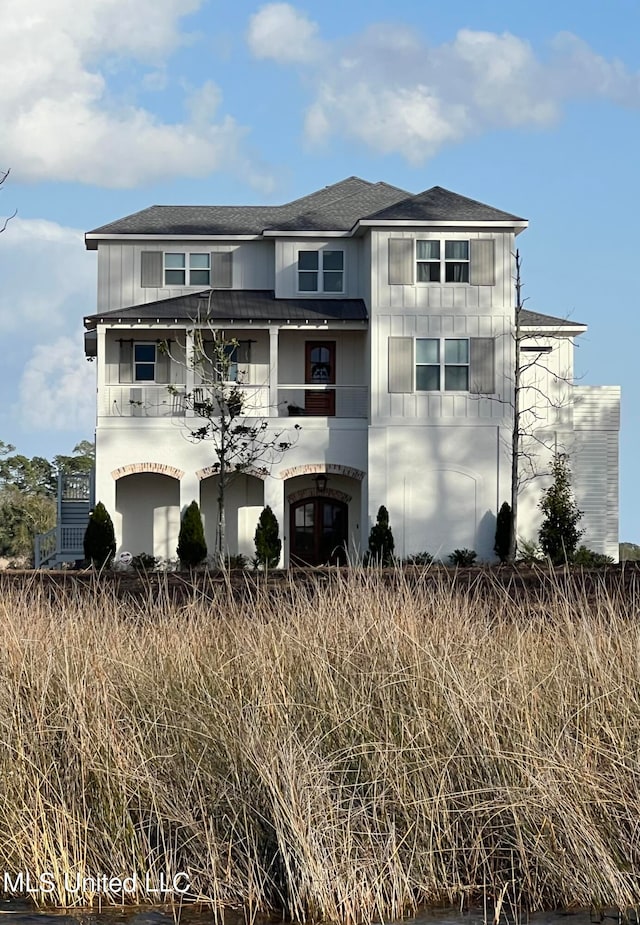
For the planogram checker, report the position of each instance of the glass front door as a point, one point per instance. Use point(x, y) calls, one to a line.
point(319, 532)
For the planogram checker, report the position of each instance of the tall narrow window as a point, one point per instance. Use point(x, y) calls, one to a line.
point(428, 261)
point(332, 271)
point(456, 261)
point(144, 362)
point(308, 271)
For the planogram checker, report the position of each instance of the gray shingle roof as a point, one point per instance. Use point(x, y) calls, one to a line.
point(536, 319)
point(439, 204)
point(335, 208)
point(237, 305)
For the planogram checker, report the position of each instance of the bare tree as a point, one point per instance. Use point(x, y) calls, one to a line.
point(528, 403)
point(242, 439)
point(4, 222)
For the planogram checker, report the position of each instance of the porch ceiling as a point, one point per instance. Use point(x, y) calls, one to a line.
point(236, 305)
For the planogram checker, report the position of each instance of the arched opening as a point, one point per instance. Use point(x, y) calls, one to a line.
point(149, 507)
point(243, 503)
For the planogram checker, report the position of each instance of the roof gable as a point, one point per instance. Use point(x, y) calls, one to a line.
point(441, 205)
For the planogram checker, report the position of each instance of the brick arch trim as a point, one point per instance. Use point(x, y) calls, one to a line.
point(326, 468)
point(159, 468)
point(211, 470)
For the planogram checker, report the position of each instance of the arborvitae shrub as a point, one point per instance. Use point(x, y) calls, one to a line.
point(503, 531)
point(381, 542)
point(267, 540)
point(192, 548)
point(559, 533)
point(99, 537)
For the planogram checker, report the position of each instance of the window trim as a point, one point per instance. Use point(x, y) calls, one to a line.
point(443, 261)
point(320, 251)
point(187, 269)
point(442, 366)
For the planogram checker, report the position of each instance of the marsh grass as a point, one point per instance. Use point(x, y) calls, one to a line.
point(343, 750)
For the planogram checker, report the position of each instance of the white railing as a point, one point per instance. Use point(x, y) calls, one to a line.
point(345, 401)
point(155, 401)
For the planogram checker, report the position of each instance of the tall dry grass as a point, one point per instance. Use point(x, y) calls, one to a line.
point(346, 751)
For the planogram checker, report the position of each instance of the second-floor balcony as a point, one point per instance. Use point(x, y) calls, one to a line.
point(291, 400)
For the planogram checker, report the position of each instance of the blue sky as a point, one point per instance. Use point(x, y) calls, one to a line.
point(108, 106)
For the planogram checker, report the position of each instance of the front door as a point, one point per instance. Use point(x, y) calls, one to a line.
point(320, 367)
point(319, 532)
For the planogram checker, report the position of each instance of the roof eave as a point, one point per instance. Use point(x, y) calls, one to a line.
point(274, 233)
point(516, 226)
point(548, 330)
point(92, 239)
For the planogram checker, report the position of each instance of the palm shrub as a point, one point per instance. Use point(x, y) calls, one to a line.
point(559, 533)
point(381, 542)
point(463, 557)
point(192, 548)
point(99, 538)
point(503, 532)
point(267, 540)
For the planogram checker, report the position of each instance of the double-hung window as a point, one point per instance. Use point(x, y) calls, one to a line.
point(320, 271)
point(144, 362)
point(187, 269)
point(442, 364)
point(431, 268)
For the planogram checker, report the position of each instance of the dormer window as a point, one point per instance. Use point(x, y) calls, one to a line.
point(320, 271)
point(187, 269)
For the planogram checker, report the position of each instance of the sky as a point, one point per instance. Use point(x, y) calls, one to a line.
point(109, 106)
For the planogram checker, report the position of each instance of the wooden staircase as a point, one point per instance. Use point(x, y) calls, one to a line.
point(64, 543)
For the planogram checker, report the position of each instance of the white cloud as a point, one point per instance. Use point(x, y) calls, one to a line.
point(391, 90)
point(58, 388)
point(48, 280)
point(48, 286)
point(280, 32)
point(63, 122)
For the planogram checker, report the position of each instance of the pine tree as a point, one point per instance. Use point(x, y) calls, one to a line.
point(192, 548)
point(381, 543)
point(99, 538)
point(268, 544)
point(503, 532)
point(559, 533)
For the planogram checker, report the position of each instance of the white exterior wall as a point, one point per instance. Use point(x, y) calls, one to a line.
point(442, 486)
point(438, 460)
point(119, 270)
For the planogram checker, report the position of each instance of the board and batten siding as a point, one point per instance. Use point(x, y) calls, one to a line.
point(596, 420)
point(121, 273)
point(286, 266)
point(393, 286)
point(392, 396)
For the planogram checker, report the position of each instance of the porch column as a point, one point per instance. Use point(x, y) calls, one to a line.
point(189, 376)
point(101, 376)
point(274, 497)
point(189, 490)
point(273, 371)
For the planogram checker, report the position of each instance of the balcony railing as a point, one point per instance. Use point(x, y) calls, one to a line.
point(340, 401)
point(155, 401)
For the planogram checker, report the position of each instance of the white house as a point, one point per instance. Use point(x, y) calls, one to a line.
point(384, 322)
